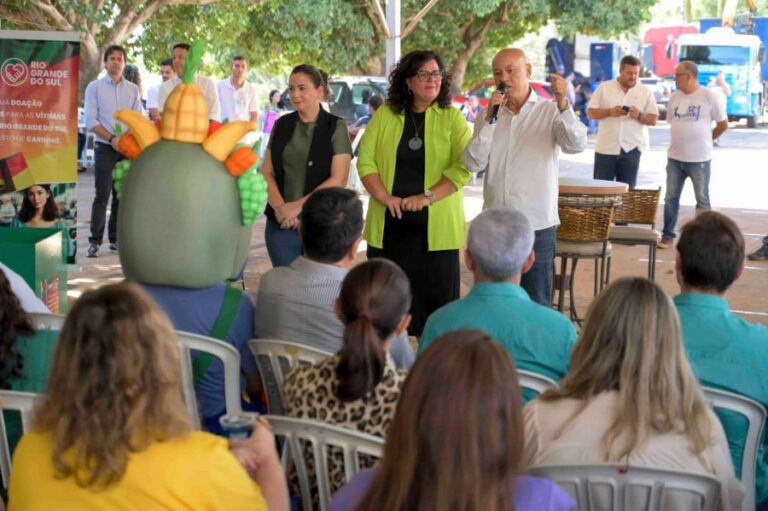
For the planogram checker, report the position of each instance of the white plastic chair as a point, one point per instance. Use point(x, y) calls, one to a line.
point(319, 436)
point(44, 321)
point(623, 488)
point(535, 382)
point(756, 415)
point(22, 402)
point(274, 359)
point(219, 349)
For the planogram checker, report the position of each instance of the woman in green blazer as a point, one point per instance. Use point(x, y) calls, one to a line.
point(410, 163)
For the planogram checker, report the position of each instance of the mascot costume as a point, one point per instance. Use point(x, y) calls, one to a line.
point(189, 195)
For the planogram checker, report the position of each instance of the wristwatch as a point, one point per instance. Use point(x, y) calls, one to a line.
point(429, 195)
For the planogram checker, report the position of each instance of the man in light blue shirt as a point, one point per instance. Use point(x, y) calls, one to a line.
point(725, 351)
point(104, 97)
point(499, 250)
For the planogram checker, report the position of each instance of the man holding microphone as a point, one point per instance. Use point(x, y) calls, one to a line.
point(519, 142)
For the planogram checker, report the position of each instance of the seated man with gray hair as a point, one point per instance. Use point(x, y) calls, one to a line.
point(499, 250)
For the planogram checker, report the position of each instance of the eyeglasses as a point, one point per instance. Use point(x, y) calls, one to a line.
point(425, 76)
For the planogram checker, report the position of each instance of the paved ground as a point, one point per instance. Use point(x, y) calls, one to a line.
point(738, 188)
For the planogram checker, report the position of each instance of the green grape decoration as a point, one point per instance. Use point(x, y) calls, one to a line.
point(253, 195)
point(118, 175)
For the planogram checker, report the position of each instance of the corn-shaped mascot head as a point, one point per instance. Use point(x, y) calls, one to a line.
point(189, 191)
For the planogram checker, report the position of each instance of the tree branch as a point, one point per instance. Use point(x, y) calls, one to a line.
point(47, 8)
point(411, 24)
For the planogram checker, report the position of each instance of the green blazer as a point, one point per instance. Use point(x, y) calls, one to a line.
point(446, 135)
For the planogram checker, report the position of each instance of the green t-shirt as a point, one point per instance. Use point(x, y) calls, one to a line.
point(297, 151)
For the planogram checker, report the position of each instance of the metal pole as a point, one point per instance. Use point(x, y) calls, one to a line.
point(393, 42)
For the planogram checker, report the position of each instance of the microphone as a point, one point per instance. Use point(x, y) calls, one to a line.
point(502, 87)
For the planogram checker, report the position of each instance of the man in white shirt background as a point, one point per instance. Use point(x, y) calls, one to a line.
point(237, 96)
point(691, 112)
point(167, 72)
point(207, 86)
point(520, 152)
point(625, 108)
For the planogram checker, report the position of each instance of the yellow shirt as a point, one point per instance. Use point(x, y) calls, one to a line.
point(195, 472)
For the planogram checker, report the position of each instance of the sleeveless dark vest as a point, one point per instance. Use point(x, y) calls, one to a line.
point(318, 166)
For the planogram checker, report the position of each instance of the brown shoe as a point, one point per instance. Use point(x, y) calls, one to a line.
point(666, 243)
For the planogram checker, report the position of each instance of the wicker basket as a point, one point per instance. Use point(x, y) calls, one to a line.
point(586, 223)
point(638, 207)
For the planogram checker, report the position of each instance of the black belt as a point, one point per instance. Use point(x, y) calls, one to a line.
point(105, 144)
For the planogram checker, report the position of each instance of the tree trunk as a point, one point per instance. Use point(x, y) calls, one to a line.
point(90, 63)
point(473, 40)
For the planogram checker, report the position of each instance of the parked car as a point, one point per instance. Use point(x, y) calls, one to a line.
point(347, 94)
point(661, 89)
point(483, 91)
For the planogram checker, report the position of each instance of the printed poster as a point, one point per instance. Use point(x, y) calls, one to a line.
point(39, 74)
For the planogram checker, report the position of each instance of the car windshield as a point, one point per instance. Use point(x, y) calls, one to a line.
point(717, 55)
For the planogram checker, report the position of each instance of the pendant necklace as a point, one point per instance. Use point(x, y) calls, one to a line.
point(415, 143)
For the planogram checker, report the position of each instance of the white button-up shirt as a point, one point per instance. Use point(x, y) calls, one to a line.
point(207, 87)
point(521, 154)
point(617, 133)
point(237, 104)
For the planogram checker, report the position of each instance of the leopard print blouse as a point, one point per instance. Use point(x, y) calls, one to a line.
point(310, 393)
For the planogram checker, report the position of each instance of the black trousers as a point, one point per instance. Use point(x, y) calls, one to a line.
point(106, 158)
point(434, 276)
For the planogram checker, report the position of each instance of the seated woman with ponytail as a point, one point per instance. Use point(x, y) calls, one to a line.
point(358, 388)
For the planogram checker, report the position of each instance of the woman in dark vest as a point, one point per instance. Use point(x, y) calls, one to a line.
point(308, 149)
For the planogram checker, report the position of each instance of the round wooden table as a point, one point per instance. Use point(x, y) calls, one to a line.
point(578, 186)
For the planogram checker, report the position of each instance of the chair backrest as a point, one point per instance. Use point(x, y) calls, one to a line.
point(535, 382)
point(274, 359)
point(638, 207)
point(23, 403)
point(219, 349)
point(584, 219)
point(318, 437)
point(755, 413)
point(623, 488)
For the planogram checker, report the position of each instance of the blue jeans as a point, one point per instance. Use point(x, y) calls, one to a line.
point(618, 167)
point(283, 245)
point(537, 281)
point(677, 173)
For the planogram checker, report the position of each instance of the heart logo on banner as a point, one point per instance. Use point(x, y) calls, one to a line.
point(14, 72)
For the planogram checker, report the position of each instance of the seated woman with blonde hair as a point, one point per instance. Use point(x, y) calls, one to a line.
point(112, 431)
point(631, 397)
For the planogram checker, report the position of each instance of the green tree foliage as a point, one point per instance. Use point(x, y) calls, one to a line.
point(468, 32)
point(99, 22)
point(337, 35)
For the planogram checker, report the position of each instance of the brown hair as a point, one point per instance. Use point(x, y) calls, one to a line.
point(711, 251)
point(114, 386)
point(318, 77)
point(374, 298)
point(456, 440)
point(629, 60)
point(632, 344)
point(14, 322)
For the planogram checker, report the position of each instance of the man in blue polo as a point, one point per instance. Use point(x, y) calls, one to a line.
point(499, 250)
point(724, 350)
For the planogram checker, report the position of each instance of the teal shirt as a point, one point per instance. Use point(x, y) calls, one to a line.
point(37, 353)
point(538, 338)
point(728, 353)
